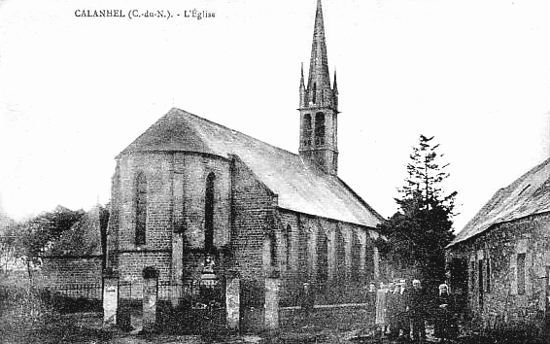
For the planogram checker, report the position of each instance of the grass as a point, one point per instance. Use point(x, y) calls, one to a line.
point(28, 316)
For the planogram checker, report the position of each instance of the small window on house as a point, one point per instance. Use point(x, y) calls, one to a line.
point(521, 273)
point(319, 128)
point(141, 208)
point(209, 214)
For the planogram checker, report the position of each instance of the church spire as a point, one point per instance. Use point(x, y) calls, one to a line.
point(319, 77)
point(319, 105)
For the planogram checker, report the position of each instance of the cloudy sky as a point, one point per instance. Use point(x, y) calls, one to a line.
point(76, 91)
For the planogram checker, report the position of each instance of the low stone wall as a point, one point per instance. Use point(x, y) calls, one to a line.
point(341, 316)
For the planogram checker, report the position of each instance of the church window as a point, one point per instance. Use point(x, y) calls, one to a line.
point(314, 93)
point(272, 250)
point(141, 208)
point(340, 257)
point(319, 128)
point(307, 130)
point(322, 260)
point(288, 245)
point(355, 257)
point(369, 261)
point(209, 214)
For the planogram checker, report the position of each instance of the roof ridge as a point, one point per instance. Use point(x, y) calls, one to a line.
point(524, 176)
point(232, 130)
point(380, 217)
point(485, 217)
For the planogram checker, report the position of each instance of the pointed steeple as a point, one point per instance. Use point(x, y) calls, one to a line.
point(302, 88)
point(334, 84)
point(319, 77)
point(319, 106)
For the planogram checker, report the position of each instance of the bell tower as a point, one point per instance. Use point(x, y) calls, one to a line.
point(319, 106)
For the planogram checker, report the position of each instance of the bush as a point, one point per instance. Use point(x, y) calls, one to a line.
point(22, 311)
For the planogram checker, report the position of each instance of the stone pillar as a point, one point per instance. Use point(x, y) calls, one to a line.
point(176, 290)
point(110, 300)
point(271, 305)
point(232, 303)
point(150, 290)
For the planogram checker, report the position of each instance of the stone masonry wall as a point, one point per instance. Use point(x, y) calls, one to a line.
point(335, 257)
point(496, 291)
point(74, 276)
point(252, 222)
point(176, 187)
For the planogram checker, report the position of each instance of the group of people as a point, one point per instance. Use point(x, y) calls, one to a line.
point(396, 310)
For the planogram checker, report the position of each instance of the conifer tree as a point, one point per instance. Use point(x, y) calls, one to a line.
point(422, 227)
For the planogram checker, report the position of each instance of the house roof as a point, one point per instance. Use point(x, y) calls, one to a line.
point(82, 239)
point(528, 195)
point(299, 186)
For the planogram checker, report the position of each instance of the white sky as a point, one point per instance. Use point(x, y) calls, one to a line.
point(74, 92)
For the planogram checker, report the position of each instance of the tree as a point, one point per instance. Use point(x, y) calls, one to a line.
point(422, 226)
point(33, 237)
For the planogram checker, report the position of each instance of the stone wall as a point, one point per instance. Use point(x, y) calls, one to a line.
point(175, 226)
point(344, 316)
point(253, 221)
point(507, 271)
point(336, 258)
point(73, 276)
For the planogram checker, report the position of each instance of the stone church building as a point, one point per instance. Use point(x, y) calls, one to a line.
point(189, 192)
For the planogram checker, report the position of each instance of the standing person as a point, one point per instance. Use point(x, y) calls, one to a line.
point(444, 320)
point(402, 300)
point(370, 300)
point(307, 300)
point(417, 309)
point(381, 309)
point(391, 313)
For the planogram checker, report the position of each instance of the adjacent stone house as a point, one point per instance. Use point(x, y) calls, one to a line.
point(74, 263)
point(500, 261)
point(189, 192)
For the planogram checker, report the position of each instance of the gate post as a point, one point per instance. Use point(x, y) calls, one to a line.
point(233, 303)
point(271, 311)
point(110, 299)
point(150, 290)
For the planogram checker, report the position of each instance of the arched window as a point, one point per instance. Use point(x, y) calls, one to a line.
point(355, 257)
point(322, 260)
point(319, 128)
point(209, 214)
point(306, 136)
point(314, 93)
point(369, 260)
point(141, 208)
point(288, 243)
point(340, 257)
point(272, 250)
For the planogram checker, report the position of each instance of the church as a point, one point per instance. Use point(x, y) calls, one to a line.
point(190, 194)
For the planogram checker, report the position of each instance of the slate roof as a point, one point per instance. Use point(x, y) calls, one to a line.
point(82, 239)
point(528, 195)
point(299, 187)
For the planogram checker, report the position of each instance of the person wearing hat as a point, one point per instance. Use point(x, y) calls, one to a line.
point(402, 322)
point(444, 322)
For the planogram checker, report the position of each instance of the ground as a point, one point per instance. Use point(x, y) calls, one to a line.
point(86, 328)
